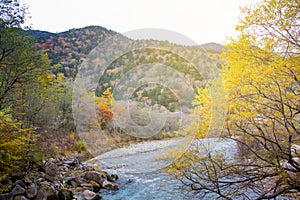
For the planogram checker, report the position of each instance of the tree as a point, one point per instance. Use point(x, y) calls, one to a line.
point(28, 99)
point(23, 85)
point(50, 102)
point(261, 80)
point(14, 143)
point(19, 62)
point(104, 106)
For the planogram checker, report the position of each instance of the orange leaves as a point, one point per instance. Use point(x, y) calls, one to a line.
point(104, 114)
point(104, 106)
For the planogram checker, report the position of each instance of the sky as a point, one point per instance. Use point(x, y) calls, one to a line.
point(202, 21)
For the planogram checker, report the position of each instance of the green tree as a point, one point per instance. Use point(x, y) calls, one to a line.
point(19, 62)
point(50, 102)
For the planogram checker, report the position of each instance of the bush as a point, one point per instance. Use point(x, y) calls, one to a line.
point(79, 146)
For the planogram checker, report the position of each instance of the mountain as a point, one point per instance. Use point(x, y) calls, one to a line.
point(66, 50)
point(213, 47)
point(38, 33)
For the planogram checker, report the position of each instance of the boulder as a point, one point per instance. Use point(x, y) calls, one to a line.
point(51, 168)
point(31, 192)
point(17, 190)
point(96, 186)
point(6, 196)
point(71, 161)
point(68, 194)
point(46, 192)
point(72, 181)
point(112, 177)
point(27, 181)
point(87, 186)
point(109, 185)
point(61, 178)
point(20, 183)
point(65, 194)
point(89, 195)
point(20, 197)
point(94, 176)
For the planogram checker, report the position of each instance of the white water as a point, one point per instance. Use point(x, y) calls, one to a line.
point(139, 169)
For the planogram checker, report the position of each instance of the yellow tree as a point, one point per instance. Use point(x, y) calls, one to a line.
point(261, 81)
point(14, 145)
point(104, 105)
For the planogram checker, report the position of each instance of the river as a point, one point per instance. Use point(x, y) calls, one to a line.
point(139, 169)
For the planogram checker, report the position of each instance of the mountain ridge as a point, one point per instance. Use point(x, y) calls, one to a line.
point(66, 50)
point(69, 49)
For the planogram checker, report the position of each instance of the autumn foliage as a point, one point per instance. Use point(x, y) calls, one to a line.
point(261, 79)
point(104, 109)
point(14, 144)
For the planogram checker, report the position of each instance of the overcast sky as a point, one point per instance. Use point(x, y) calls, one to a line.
point(200, 20)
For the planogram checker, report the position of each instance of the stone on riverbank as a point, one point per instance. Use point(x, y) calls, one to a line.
point(62, 178)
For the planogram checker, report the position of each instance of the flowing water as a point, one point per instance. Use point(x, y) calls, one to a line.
point(139, 169)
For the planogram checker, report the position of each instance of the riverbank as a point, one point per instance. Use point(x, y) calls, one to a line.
point(66, 177)
point(61, 178)
point(141, 157)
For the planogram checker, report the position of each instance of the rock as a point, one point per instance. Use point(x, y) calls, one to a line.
point(46, 192)
point(96, 186)
point(112, 177)
point(20, 183)
point(17, 190)
point(89, 195)
point(105, 174)
point(72, 181)
point(129, 181)
point(66, 194)
point(51, 168)
point(41, 180)
point(6, 196)
point(61, 178)
point(20, 197)
point(72, 162)
point(87, 186)
point(109, 185)
point(27, 181)
point(31, 192)
point(94, 176)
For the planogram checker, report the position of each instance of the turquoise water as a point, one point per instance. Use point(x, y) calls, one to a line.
point(156, 186)
point(140, 177)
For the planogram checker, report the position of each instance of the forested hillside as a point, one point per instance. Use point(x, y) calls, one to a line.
point(68, 49)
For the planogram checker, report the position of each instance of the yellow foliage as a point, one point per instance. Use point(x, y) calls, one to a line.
point(14, 143)
point(261, 80)
point(106, 99)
